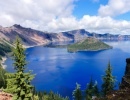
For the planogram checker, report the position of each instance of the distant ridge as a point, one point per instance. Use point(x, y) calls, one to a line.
point(31, 37)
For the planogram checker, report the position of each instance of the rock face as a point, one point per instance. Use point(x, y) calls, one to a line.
point(28, 36)
point(6, 96)
point(31, 37)
point(124, 92)
point(126, 78)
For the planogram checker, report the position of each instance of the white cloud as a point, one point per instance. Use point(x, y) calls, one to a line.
point(6, 19)
point(114, 8)
point(41, 11)
point(92, 24)
point(56, 16)
point(63, 24)
point(104, 24)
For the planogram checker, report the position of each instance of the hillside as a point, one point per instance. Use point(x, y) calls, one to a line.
point(31, 37)
point(5, 47)
point(89, 44)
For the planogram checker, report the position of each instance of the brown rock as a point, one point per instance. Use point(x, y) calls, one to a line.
point(5, 96)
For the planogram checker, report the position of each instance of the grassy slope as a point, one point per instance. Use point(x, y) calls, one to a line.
point(89, 44)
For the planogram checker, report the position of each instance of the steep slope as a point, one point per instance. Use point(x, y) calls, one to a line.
point(5, 47)
point(28, 36)
point(31, 37)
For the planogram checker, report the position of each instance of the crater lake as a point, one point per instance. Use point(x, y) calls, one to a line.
point(58, 70)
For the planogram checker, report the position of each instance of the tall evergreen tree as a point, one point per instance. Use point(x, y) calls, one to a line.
point(19, 82)
point(77, 94)
point(108, 80)
point(89, 90)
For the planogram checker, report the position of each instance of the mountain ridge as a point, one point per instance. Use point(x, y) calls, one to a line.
point(32, 37)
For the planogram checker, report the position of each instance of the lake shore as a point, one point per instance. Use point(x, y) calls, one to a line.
point(4, 58)
point(90, 50)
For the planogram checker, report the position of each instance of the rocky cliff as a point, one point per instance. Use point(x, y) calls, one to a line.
point(32, 37)
point(124, 91)
point(126, 78)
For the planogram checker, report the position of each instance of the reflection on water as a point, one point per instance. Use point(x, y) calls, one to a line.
point(123, 45)
point(58, 70)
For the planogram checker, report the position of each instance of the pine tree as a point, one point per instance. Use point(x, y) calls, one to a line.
point(108, 80)
point(77, 94)
point(92, 90)
point(96, 90)
point(19, 82)
point(51, 96)
point(89, 90)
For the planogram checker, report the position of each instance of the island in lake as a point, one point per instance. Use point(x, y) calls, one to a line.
point(88, 44)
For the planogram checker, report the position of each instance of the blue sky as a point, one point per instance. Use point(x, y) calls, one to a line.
point(90, 7)
point(87, 7)
point(101, 16)
point(125, 16)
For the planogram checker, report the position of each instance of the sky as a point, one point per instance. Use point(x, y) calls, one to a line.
point(101, 16)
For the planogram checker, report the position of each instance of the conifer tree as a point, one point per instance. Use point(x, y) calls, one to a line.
point(89, 90)
point(19, 82)
point(96, 89)
point(108, 80)
point(92, 90)
point(77, 94)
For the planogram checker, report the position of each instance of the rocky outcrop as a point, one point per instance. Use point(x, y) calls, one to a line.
point(5, 96)
point(124, 91)
point(126, 78)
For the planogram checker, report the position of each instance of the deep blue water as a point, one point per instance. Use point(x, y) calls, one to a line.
point(58, 70)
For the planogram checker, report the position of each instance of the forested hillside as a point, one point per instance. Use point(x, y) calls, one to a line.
point(89, 44)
